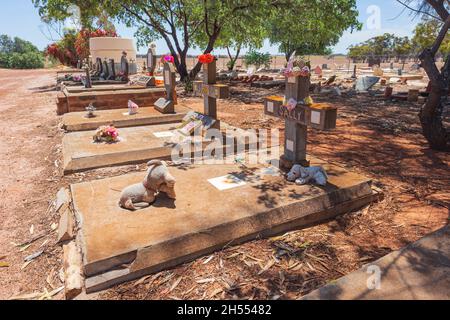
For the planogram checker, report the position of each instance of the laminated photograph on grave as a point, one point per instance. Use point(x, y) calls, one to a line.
point(194, 121)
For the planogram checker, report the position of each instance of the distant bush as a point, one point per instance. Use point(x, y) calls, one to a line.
point(19, 54)
point(258, 59)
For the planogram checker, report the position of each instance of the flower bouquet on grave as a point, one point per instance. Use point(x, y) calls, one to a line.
point(206, 58)
point(108, 134)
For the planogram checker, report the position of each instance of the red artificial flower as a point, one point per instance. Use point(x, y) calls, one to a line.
point(169, 58)
point(206, 58)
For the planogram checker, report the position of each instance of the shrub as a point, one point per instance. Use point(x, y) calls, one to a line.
point(258, 59)
point(19, 54)
point(28, 60)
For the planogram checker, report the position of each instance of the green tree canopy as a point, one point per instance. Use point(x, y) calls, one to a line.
point(310, 27)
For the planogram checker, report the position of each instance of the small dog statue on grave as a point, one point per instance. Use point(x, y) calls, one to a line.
point(301, 175)
point(158, 180)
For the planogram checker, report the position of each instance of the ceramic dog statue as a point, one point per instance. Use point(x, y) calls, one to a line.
point(158, 180)
point(302, 175)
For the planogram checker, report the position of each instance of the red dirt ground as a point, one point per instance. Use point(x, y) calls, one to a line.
point(379, 139)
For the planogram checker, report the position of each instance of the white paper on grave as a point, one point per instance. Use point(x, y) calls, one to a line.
point(227, 182)
point(164, 134)
point(270, 106)
point(290, 145)
point(315, 117)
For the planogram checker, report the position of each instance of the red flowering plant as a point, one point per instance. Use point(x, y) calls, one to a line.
point(75, 46)
point(206, 58)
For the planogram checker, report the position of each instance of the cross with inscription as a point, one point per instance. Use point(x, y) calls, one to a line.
point(211, 91)
point(167, 105)
point(298, 117)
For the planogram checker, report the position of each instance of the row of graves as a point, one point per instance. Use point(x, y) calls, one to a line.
point(106, 87)
point(210, 195)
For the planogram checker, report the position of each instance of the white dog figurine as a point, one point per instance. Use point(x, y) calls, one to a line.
point(302, 175)
point(158, 180)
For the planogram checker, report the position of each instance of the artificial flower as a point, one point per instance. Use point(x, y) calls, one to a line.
point(206, 58)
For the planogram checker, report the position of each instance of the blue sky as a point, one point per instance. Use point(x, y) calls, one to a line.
point(20, 18)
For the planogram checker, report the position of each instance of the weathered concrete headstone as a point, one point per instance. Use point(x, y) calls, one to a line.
point(151, 60)
point(124, 68)
point(105, 74)
point(88, 80)
point(211, 91)
point(112, 69)
point(365, 83)
point(298, 118)
point(167, 105)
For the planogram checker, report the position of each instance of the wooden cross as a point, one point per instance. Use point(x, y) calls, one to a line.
point(297, 120)
point(211, 91)
point(167, 105)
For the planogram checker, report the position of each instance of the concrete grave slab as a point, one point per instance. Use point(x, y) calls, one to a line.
point(77, 121)
point(119, 245)
point(137, 144)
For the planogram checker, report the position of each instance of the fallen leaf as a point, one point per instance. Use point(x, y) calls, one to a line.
point(208, 260)
point(208, 280)
point(175, 284)
point(253, 258)
point(28, 296)
point(33, 256)
point(2, 257)
point(54, 226)
point(44, 243)
point(48, 295)
point(4, 264)
point(142, 280)
point(233, 255)
point(267, 267)
point(215, 293)
point(25, 247)
point(32, 229)
point(25, 265)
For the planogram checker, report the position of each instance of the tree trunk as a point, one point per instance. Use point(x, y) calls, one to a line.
point(431, 113)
